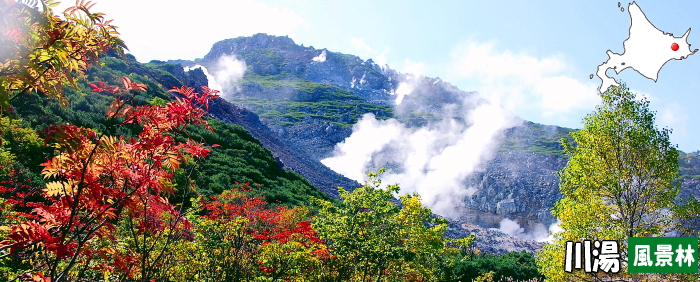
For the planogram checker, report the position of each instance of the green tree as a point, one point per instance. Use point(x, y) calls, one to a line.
point(619, 181)
point(243, 238)
point(515, 266)
point(373, 239)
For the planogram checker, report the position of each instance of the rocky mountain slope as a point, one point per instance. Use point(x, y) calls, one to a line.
point(301, 101)
point(287, 156)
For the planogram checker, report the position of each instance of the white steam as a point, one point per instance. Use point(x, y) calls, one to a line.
point(224, 74)
point(510, 227)
point(369, 137)
point(320, 58)
point(211, 81)
point(405, 88)
point(414, 75)
point(539, 233)
point(553, 229)
point(433, 161)
point(545, 88)
point(228, 71)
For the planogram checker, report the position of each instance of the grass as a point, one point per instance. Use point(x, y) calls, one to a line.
point(290, 113)
point(536, 138)
point(321, 91)
point(417, 118)
point(274, 58)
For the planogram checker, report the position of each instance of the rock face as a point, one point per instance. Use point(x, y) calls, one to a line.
point(285, 74)
point(516, 185)
point(281, 74)
point(491, 240)
point(279, 55)
point(319, 139)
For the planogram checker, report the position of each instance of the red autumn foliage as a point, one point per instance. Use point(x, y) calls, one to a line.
point(268, 224)
point(262, 225)
point(95, 179)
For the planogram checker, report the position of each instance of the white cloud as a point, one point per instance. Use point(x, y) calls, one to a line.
point(673, 116)
point(561, 94)
point(523, 82)
point(381, 60)
point(360, 44)
point(179, 29)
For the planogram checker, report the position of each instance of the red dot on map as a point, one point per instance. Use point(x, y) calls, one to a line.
point(674, 46)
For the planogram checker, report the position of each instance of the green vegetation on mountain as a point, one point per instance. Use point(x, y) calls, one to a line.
point(312, 100)
point(241, 157)
point(292, 113)
point(319, 91)
point(689, 164)
point(514, 266)
point(536, 138)
point(270, 55)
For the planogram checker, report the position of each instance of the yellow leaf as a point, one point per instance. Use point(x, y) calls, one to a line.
point(58, 188)
point(172, 161)
point(49, 170)
point(52, 3)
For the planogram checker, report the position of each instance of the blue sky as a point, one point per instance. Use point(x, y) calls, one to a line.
point(534, 58)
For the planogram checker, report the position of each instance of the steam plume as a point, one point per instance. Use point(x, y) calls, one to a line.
point(539, 233)
point(224, 74)
point(432, 160)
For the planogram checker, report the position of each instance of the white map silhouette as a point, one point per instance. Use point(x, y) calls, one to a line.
point(647, 49)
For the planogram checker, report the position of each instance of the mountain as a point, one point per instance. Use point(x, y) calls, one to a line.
point(301, 102)
point(308, 99)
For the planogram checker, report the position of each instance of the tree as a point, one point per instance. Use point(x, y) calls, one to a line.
point(618, 183)
point(515, 266)
point(373, 239)
point(244, 238)
point(97, 179)
point(42, 52)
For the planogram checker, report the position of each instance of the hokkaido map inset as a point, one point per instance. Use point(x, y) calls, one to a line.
point(647, 50)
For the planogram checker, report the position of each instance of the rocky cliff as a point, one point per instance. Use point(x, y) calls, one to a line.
point(515, 185)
